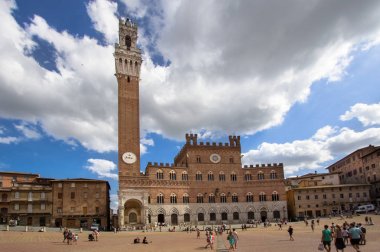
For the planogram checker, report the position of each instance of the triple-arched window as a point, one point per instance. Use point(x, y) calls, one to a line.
point(172, 175)
point(160, 174)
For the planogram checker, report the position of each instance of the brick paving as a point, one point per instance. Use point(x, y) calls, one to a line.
point(259, 239)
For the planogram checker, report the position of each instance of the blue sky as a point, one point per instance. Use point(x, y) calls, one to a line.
point(298, 81)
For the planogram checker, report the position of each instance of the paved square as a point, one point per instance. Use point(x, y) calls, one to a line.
point(254, 240)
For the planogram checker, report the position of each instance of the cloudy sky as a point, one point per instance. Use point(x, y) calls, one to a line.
point(298, 80)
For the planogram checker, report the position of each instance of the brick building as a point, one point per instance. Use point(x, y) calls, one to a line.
point(80, 203)
point(34, 201)
point(206, 183)
point(361, 166)
point(25, 198)
point(316, 195)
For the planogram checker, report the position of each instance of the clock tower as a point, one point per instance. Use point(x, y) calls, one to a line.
point(127, 64)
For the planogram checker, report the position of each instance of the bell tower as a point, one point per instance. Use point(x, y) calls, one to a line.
point(127, 63)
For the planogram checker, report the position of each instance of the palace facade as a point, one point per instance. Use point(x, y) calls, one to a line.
point(205, 184)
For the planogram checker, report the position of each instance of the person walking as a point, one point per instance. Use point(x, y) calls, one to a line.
point(339, 239)
point(231, 241)
point(290, 231)
point(235, 236)
point(65, 232)
point(326, 238)
point(355, 234)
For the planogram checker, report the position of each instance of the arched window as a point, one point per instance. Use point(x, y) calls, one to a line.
point(185, 176)
point(262, 197)
point(248, 176)
point(249, 197)
point(185, 198)
point(273, 175)
point(224, 216)
point(136, 69)
point(212, 217)
point(276, 214)
point(149, 199)
point(128, 41)
point(260, 175)
point(200, 198)
point(160, 198)
point(201, 217)
point(198, 176)
point(172, 175)
point(173, 198)
point(4, 197)
point(223, 198)
point(275, 196)
point(222, 177)
point(210, 176)
point(235, 198)
point(186, 217)
point(211, 198)
point(233, 176)
point(160, 174)
point(235, 215)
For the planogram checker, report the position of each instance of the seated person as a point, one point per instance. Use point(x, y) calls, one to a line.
point(136, 240)
point(145, 241)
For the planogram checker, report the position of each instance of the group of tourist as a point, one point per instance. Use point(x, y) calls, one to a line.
point(70, 237)
point(341, 235)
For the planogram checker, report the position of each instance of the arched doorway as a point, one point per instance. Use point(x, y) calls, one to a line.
point(132, 212)
point(132, 218)
point(3, 215)
point(161, 218)
point(276, 214)
point(251, 215)
point(174, 219)
point(263, 215)
point(186, 217)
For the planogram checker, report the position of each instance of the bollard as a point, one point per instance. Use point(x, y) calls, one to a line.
point(26, 228)
point(7, 228)
point(81, 230)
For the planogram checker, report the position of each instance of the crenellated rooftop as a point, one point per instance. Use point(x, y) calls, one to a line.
point(192, 142)
point(263, 166)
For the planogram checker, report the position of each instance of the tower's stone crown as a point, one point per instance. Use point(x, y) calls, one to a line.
point(127, 54)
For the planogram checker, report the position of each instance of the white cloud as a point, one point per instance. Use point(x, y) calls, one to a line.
point(144, 144)
point(79, 102)
point(367, 114)
point(9, 140)
point(103, 15)
point(313, 153)
point(247, 67)
point(236, 67)
point(28, 130)
point(103, 168)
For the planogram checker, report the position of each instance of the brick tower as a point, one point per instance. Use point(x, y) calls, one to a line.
point(127, 63)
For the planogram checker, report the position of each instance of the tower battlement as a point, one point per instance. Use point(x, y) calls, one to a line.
point(274, 165)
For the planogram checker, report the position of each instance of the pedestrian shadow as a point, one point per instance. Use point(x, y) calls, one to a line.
point(284, 240)
point(59, 243)
point(200, 248)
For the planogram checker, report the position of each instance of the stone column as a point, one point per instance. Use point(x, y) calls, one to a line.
point(121, 217)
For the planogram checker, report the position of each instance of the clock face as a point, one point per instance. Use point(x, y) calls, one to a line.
point(215, 158)
point(129, 157)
